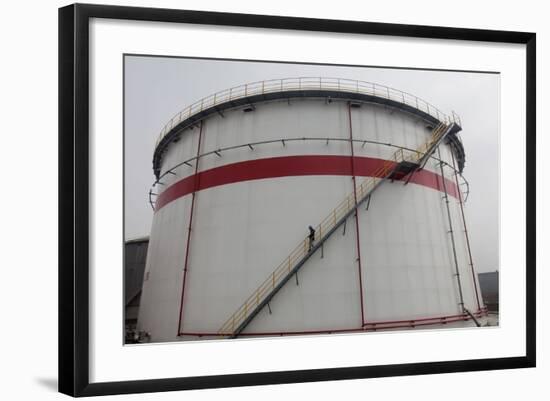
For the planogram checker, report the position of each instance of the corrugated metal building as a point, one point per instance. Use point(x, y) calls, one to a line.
point(489, 289)
point(135, 256)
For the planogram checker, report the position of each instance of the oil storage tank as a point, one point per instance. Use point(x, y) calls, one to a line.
point(308, 205)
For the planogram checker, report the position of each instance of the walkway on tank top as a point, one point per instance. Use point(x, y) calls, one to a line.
point(289, 166)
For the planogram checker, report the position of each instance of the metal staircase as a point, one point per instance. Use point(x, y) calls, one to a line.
point(400, 165)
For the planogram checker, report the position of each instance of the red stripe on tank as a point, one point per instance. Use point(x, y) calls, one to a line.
point(290, 166)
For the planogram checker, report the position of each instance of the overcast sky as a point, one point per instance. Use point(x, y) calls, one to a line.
point(158, 88)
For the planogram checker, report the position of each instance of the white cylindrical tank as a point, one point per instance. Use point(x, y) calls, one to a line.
point(242, 174)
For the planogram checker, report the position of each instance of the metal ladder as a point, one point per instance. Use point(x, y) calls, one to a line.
point(401, 164)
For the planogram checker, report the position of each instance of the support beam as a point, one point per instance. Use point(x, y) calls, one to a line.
point(455, 258)
point(466, 234)
point(189, 229)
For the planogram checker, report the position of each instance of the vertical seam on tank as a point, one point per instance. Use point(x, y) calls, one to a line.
point(352, 159)
point(187, 247)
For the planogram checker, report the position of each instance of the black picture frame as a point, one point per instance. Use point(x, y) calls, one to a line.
point(74, 194)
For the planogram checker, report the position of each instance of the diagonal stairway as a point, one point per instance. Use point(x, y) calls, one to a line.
point(401, 164)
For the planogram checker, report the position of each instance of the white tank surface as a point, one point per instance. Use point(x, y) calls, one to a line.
point(243, 173)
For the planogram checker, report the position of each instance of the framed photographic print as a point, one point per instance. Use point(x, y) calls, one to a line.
point(239, 192)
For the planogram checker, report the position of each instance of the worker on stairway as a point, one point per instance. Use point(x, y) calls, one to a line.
point(311, 237)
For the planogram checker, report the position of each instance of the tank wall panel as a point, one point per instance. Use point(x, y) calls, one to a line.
point(255, 228)
point(327, 294)
point(186, 149)
point(406, 269)
point(159, 310)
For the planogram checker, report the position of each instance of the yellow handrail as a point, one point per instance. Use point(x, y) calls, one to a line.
point(329, 222)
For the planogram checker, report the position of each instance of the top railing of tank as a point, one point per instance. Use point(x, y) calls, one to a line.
point(307, 83)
